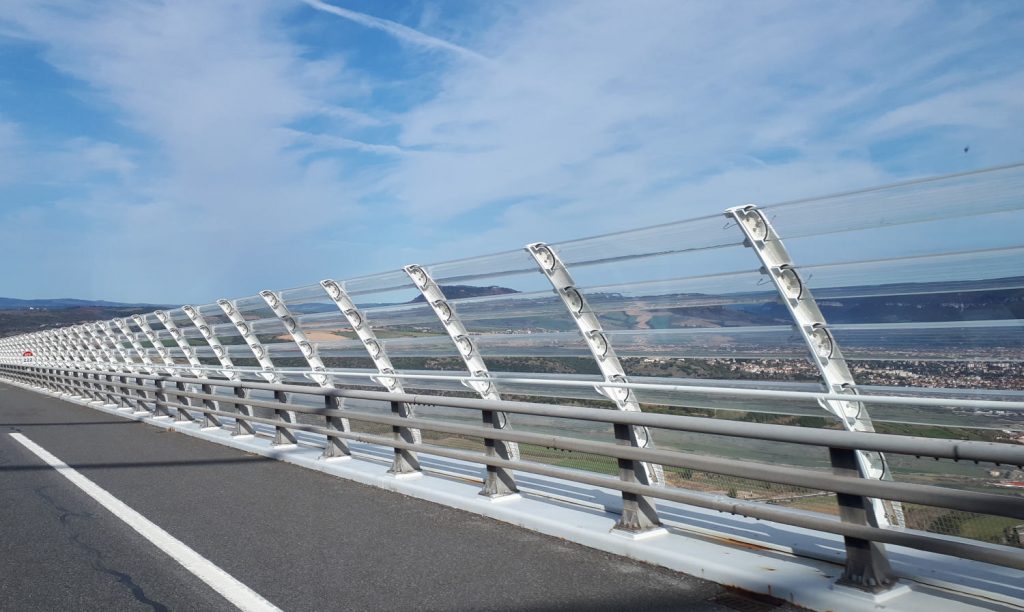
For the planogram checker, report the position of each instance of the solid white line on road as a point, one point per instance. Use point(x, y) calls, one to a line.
point(219, 580)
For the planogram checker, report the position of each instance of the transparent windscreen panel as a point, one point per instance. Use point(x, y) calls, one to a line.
point(179, 318)
point(505, 272)
point(965, 195)
point(744, 449)
point(227, 334)
point(332, 323)
point(932, 237)
point(659, 266)
point(989, 340)
point(413, 316)
point(727, 300)
point(996, 269)
point(710, 232)
point(944, 380)
point(213, 314)
point(388, 288)
point(778, 341)
point(540, 345)
point(306, 294)
point(525, 312)
point(581, 389)
point(417, 347)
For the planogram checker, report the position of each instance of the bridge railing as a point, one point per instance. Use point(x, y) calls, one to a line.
point(894, 309)
point(867, 567)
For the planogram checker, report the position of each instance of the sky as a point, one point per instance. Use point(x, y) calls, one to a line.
point(173, 152)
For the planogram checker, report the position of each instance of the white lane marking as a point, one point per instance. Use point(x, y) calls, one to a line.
point(219, 580)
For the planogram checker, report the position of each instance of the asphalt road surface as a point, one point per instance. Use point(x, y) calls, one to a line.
point(300, 539)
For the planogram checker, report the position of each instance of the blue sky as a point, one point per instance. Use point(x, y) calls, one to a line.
point(184, 151)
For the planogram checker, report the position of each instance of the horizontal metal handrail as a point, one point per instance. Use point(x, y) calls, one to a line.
point(809, 396)
point(967, 450)
point(904, 537)
point(105, 383)
point(968, 501)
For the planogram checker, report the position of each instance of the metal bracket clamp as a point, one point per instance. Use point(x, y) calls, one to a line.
point(258, 350)
point(308, 349)
point(464, 345)
point(147, 363)
point(228, 368)
point(825, 353)
point(600, 347)
point(183, 345)
point(158, 345)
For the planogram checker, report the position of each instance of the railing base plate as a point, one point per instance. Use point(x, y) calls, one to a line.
point(639, 535)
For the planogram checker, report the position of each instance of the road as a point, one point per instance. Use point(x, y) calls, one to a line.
point(301, 539)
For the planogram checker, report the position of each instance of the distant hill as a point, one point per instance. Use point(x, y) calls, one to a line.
point(65, 303)
point(459, 292)
point(908, 302)
point(30, 319)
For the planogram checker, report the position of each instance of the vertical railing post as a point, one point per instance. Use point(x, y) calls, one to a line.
point(143, 397)
point(866, 564)
point(283, 436)
point(126, 394)
point(499, 482)
point(115, 397)
point(209, 420)
point(337, 448)
point(109, 365)
point(405, 463)
point(125, 400)
point(227, 367)
point(160, 409)
point(268, 370)
point(639, 516)
point(642, 514)
point(374, 348)
point(242, 409)
point(190, 354)
point(318, 373)
point(182, 413)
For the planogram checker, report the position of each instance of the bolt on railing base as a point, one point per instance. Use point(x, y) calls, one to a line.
point(498, 483)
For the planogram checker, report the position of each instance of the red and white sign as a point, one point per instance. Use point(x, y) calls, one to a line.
point(27, 354)
point(28, 357)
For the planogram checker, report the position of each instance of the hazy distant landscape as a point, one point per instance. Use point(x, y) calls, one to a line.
point(22, 316)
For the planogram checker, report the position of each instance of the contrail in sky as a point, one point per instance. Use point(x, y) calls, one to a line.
point(395, 29)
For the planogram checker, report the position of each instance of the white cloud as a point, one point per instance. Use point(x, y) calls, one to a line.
point(591, 108)
point(210, 87)
point(585, 117)
point(399, 31)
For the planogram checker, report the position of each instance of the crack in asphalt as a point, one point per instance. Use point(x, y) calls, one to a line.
point(97, 562)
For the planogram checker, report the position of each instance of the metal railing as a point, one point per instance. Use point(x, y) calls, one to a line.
point(889, 309)
point(194, 399)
